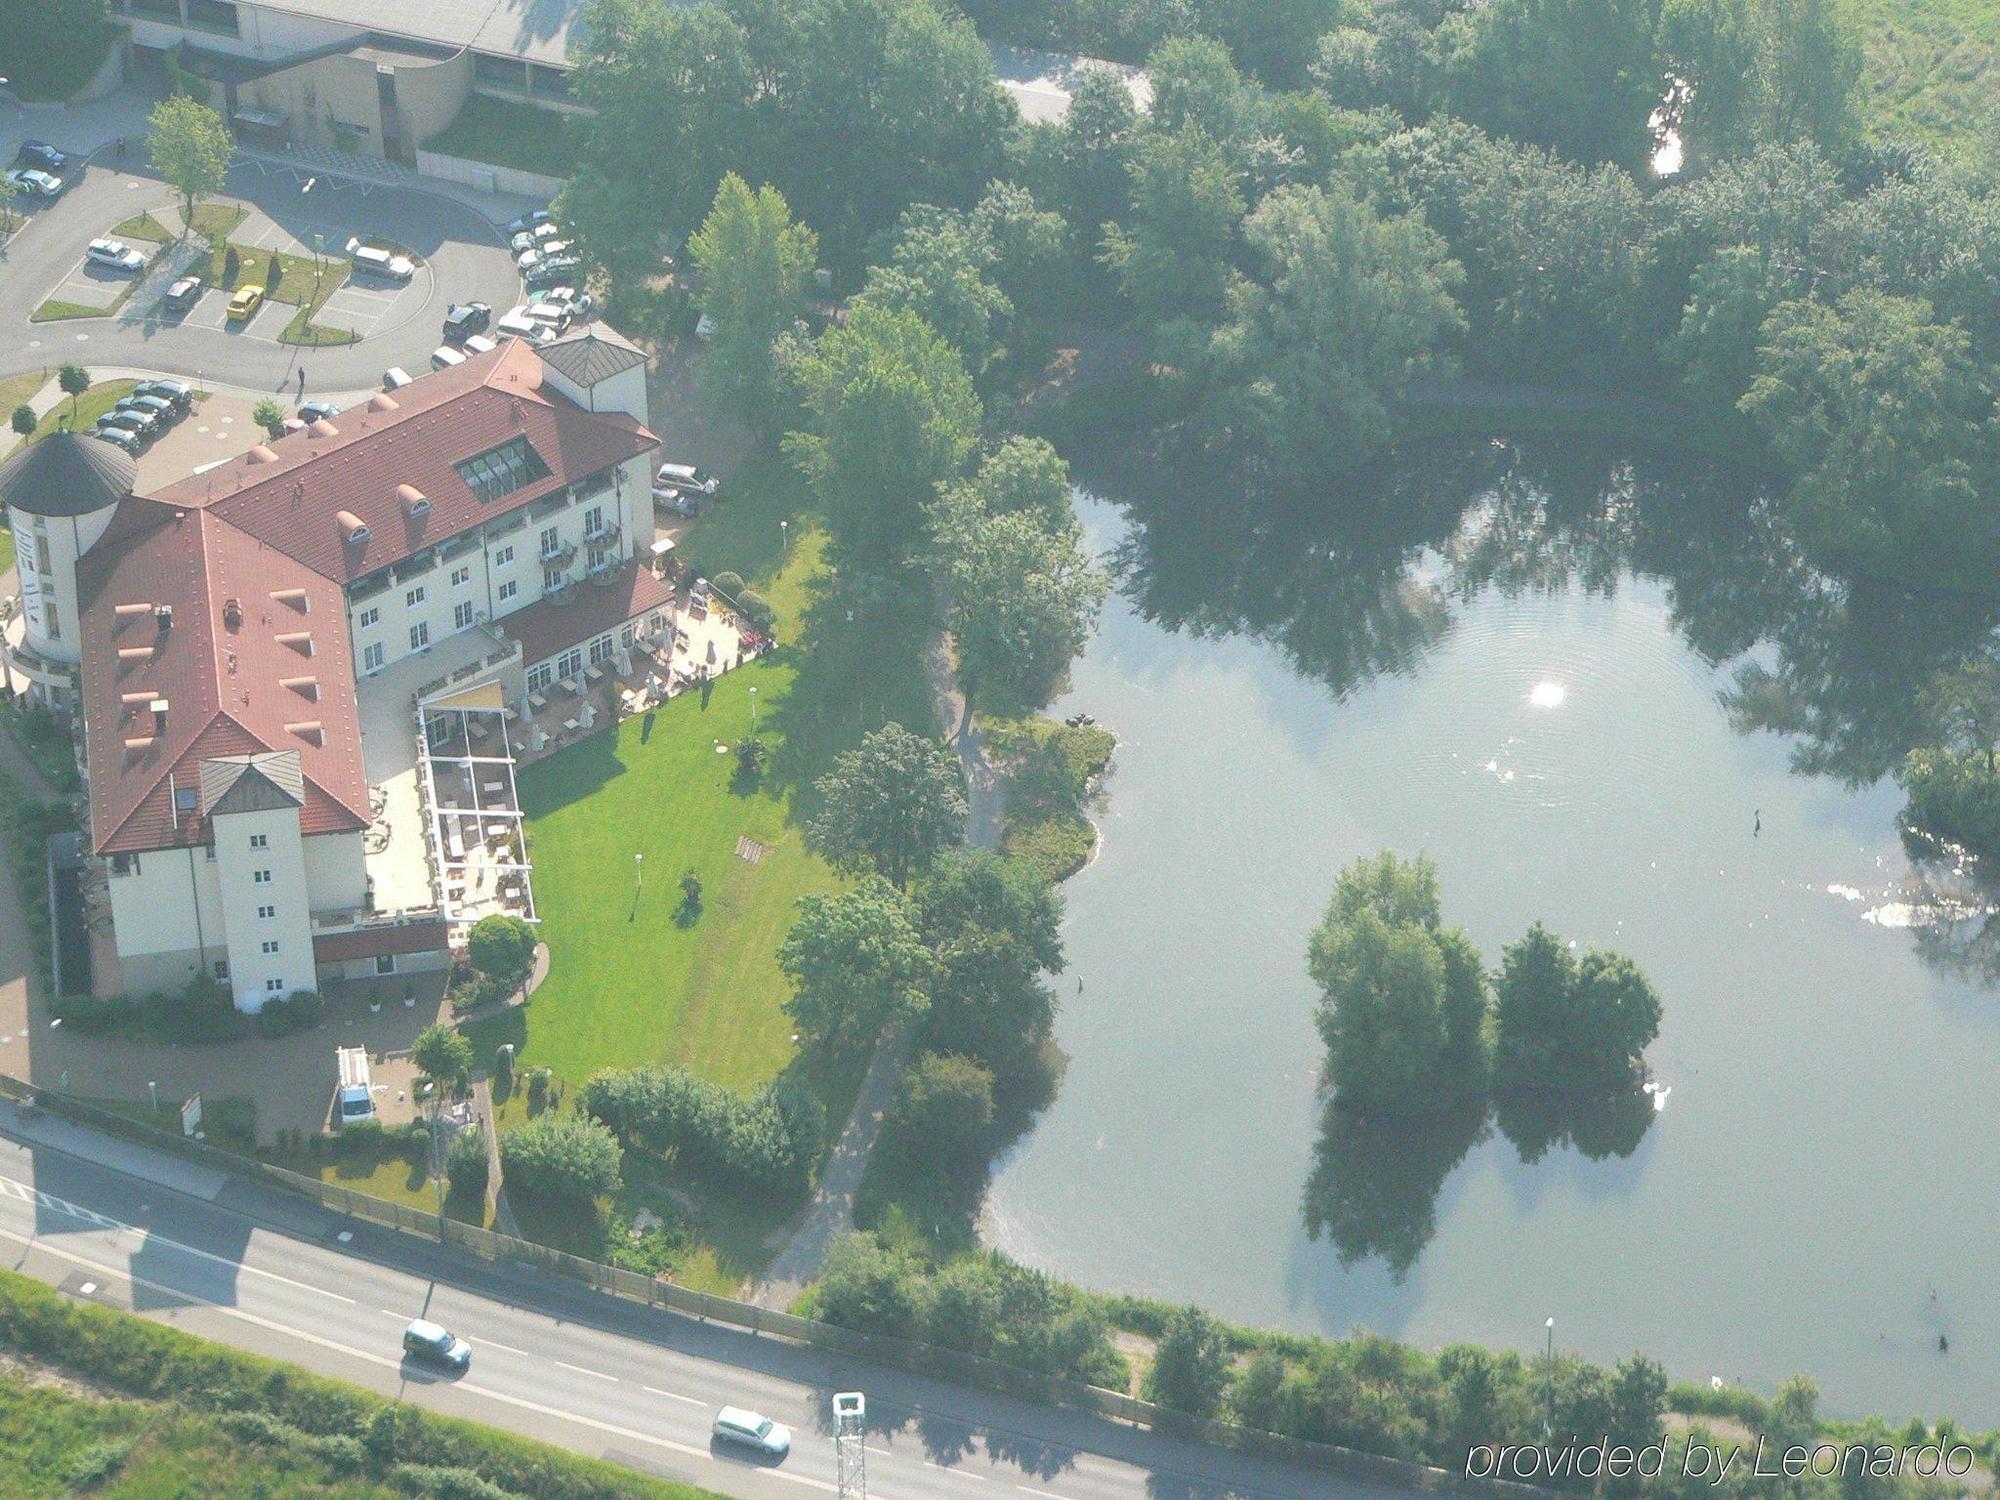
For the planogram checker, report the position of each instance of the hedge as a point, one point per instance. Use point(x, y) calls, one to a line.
point(138, 1358)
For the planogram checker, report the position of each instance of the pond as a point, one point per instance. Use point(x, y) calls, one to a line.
point(1601, 692)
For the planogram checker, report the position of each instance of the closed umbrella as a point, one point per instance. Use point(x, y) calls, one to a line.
point(536, 739)
point(586, 716)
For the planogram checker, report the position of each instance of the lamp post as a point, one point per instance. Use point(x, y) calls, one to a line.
point(1549, 1383)
point(753, 713)
point(638, 883)
point(785, 537)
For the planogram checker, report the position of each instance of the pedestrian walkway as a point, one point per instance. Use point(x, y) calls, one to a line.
point(370, 172)
point(41, 1129)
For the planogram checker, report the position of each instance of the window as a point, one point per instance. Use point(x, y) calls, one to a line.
point(371, 658)
point(628, 633)
point(569, 663)
point(265, 913)
point(503, 470)
point(460, 577)
point(508, 590)
point(553, 578)
point(600, 651)
point(269, 945)
point(274, 986)
point(461, 616)
point(260, 841)
point(260, 877)
point(213, 15)
point(551, 540)
point(369, 616)
point(222, 968)
point(593, 521)
point(504, 556)
point(541, 677)
point(124, 864)
point(414, 597)
point(187, 799)
point(385, 963)
point(420, 635)
point(499, 72)
point(208, 853)
point(598, 557)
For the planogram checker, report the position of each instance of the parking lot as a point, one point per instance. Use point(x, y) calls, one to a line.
point(367, 307)
point(212, 311)
point(91, 285)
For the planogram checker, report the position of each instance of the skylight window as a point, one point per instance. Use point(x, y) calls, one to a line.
point(501, 471)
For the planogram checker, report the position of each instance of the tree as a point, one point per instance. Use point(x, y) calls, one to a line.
point(856, 965)
point(1191, 1364)
point(1171, 251)
point(977, 890)
point(1079, 167)
point(465, 1164)
point(755, 264)
point(1771, 72)
point(873, 1287)
point(443, 1055)
point(1403, 999)
point(891, 413)
point(1028, 248)
point(891, 805)
point(190, 147)
point(1024, 600)
point(937, 269)
point(943, 1111)
point(1962, 706)
point(269, 414)
point(501, 947)
point(24, 421)
point(9, 191)
point(1567, 1025)
point(1346, 309)
point(1715, 346)
point(993, 930)
point(1883, 416)
point(74, 381)
point(560, 1156)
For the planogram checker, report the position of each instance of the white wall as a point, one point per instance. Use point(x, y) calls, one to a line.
point(160, 911)
point(47, 548)
point(488, 178)
point(336, 872)
point(253, 878)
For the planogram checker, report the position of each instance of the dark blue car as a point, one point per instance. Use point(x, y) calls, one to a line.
point(41, 154)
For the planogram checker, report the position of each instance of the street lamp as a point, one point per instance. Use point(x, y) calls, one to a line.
point(1549, 1384)
point(753, 713)
point(638, 883)
point(785, 536)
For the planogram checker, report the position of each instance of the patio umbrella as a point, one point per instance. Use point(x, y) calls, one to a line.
point(586, 716)
point(623, 661)
point(711, 653)
point(536, 739)
point(653, 683)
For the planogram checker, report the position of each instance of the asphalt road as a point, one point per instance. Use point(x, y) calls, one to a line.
point(604, 1377)
point(466, 260)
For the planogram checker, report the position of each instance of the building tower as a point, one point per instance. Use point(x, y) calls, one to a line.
point(59, 495)
point(850, 1454)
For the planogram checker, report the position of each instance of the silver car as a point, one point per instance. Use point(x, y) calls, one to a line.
point(749, 1430)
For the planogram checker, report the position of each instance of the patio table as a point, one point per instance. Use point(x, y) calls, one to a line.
point(593, 674)
point(537, 701)
point(570, 725)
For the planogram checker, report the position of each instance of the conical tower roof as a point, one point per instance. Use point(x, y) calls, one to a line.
point(66, 475)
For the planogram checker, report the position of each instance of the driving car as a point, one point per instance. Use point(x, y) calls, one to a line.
point(41, 154)
point(528, 221)
point(32, 180)
point(184, 293)
point(118, 437)
point(435, 1344)
point(140, 424)
point(116, 254)
point(752, 1430)
point(247, 299)
point(318, 411)
point(463, 319)
point(158, 408)
point(177, 391)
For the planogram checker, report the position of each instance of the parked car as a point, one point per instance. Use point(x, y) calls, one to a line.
point(518, 325)
point(42, 155)
point(687, 477)
point(33, 180)
point(376, 261)
point(140, 424)
point(750, 1430)
point(526, 260)
point(550, 315)
point(463, 319)
point(580, 304)
point(183, 294)
point(666, 497)
point(119, 437)
point(444, 357)
point(396, 377)
point(354, 1094)
point(245, 301)
point(318, 411)
point(116, 254)
point(437, 1345)
point(479, 343)
point(177, 391)
point(554, 270)
point(529, 221)
point(158, 408)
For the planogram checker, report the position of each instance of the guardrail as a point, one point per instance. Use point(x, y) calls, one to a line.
point(904, 1354)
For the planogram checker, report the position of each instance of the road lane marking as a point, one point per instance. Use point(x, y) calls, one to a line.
point(580, 1370)
point(13, 1187)
point(486, 1343)
point(1044, 1494)
point(653, 1390)
point(956, 1472)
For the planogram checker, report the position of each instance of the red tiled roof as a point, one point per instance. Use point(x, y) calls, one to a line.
point(232, 668)
point(544, 627)
point(373, 942)
point(293, 497)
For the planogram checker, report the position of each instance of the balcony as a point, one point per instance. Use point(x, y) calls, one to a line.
point(605, 533)
point(559, 555)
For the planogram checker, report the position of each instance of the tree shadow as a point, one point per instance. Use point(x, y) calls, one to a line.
point(1374, 1185)
point(1596, 1125)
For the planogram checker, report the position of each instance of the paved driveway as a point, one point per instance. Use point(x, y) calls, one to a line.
point(465, 259)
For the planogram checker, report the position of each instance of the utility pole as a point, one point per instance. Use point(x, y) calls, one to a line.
point(1549, 1384)
point(850, 1412)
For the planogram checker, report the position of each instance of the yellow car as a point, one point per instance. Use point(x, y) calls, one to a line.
point(246, 301)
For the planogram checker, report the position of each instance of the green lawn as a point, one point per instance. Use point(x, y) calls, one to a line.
point(1932, 67)
point(91, 405)
point(141, 227)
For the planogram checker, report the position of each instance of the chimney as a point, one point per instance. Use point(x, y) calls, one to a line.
point(159, 707)
point(164, 618)
point(232, 613)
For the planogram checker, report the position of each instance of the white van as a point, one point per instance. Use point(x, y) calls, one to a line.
point(384, 263)
point(518, 325)
point(354, 1099)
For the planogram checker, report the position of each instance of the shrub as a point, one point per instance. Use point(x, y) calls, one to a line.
point(1953, 797)
point(447, 1482)
point(465, 1163)
point(339, 1452)
point(274, 272)
point(728, 584)
point(97, 1015)
point(234, 1116)
point(767, 1141)
point(755, 608)
point(560, 1156)
point(97, 1462)
point(232, 262)
point(1191, 1366)
point(258, 1427)
point(538, 1087)
point(24, 421)
point(502, 947)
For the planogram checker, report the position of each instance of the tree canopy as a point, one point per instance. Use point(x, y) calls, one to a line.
point(856, 965)
point(190, 148)
point(891, 805)
point(755, 265)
